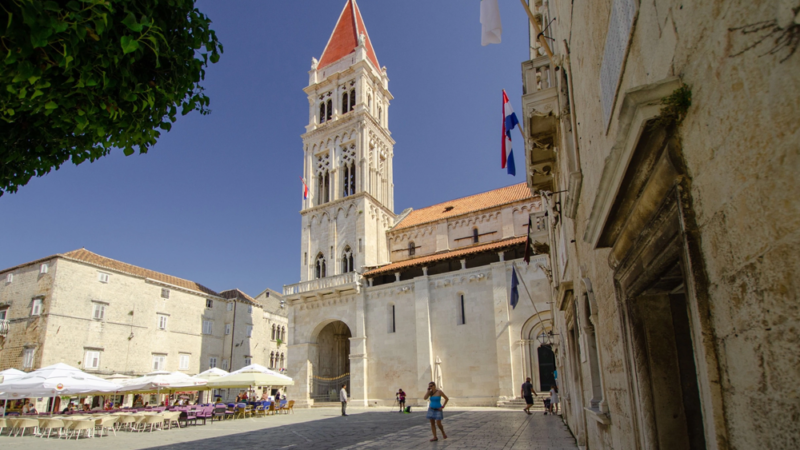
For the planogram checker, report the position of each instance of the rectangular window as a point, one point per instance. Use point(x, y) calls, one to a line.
point(4, 314)
point(27, 358)
point(207, 326)
point(36, 307)
point(99, 312)
point(248, 361)
point(227, 329)
point(224, 364)
point(102, 277)
point(91, 360)
point(230, 306)
point(462, 316)
point(212, 362)
point(249, 331)
point(184, 362)
point(392, 323)
point(164, 293)
point(162, 321)
point(209, 303)
point(43, 268)
point(9, 278)
point(159, 362)
point(250, 309)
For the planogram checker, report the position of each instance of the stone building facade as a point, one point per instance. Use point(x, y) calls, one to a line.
point(663, 139)
point(105, 316)
point(391, 301)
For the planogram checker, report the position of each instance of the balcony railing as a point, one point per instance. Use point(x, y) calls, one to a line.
point(3, 328)
point(320, 283)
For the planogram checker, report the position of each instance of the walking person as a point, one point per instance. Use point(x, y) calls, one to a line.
point(401, 399)
point(435, 409)
point(527, 393)
point(553, 400)
point(343, 399)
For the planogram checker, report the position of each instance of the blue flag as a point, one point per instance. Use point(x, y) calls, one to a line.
point(514, 289)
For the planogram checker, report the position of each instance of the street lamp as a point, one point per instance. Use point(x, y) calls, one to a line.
point(546, 338)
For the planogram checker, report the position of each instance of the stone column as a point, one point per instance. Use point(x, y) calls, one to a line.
point(301, 370)
point(423, 327)
point(359, 382)
point(500, 295)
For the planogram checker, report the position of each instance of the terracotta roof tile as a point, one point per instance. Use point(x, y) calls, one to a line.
point(446, 255)
point(236, 294)
point(101, 261)
point(344, 39)
point(465, 205)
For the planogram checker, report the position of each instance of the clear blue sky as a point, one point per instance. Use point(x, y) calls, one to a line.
point(216, 201)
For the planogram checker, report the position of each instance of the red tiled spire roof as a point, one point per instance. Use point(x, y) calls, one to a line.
point(344, 39)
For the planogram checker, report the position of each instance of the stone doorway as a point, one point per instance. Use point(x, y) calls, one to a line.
point(547, 365)
point(332, 365)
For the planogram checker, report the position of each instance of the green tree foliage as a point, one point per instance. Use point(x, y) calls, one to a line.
point(83, 77)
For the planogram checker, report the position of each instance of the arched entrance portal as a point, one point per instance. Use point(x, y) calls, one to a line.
point(332, 365)
point(547, 365)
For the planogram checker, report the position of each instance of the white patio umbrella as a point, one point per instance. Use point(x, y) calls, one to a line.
point(252, 375)
point(262, 369)
point(118, 376)
point(161, 381)
point(58, 379)
point(212, 373)
point(8, 375)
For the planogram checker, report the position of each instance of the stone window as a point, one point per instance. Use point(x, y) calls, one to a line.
point(98, 310)
point(209, 303)
point(212, 362)
point(347, 260)
point(321, 267)
point(36, 307)
point(273, 331)
point(27, 358)
point(43, 268)
point(250, 309)
point(329, 112)
point(162, 321)
point(164, 293)
point(102, 277)
point(208, 326)
point(3, 313)
point(352, 99)
point(475, 236)
point(91, 360)
point(282, 359)
point(323, 187)
point(227, 329)
point(345, 103)
point(412, 249)
point(230, 306)
point(391, 318)
point(462, 311)
point(224, 364)
point(247, 361)
point(184, 361)
point(159, 362)
point(9, 278)
point(272, 360)
point(322, 112)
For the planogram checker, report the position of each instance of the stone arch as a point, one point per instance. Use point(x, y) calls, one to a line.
point(532, 364)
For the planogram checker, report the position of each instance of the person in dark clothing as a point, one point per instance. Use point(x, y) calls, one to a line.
point(527, 393)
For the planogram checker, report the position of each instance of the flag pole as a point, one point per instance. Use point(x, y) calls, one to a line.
point(514, 264)
point(539, 36)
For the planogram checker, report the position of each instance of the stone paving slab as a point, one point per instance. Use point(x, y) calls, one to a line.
point(324, 428)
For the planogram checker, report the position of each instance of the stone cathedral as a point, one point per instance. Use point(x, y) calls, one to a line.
point(388, 301)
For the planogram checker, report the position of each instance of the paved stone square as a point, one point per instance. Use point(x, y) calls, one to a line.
point(325, 428)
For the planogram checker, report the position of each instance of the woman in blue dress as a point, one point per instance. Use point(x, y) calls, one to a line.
point(435, 407)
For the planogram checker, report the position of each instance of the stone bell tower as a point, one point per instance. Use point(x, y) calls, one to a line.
point(347, 154)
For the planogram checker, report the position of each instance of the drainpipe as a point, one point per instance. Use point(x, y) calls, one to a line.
point(233, 335)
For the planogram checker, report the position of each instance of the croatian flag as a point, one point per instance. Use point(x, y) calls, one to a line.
point(305, 189)
point(509, 123)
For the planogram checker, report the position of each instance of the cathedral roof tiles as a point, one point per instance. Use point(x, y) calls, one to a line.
point(344, 39)
point(464, 205)
point(426, 260)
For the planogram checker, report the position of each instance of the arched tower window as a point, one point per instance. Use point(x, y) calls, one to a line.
point(323, 187)
point(320, 266)
point(282, 360)
point(475, 237)
point(347, 260)
point(352, 178)
point(329, 112)
point(346, 180)
point(352, 99)
point(345, 103)
point(273, 331)
point(283, 333)
point(412, 249)
point(271, 360)
point(322, 112)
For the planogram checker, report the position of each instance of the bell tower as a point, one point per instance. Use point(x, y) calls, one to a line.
point(347, 156)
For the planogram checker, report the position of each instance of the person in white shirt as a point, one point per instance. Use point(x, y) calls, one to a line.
point(553, 400)
point(343, 399)
point(2, 410)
